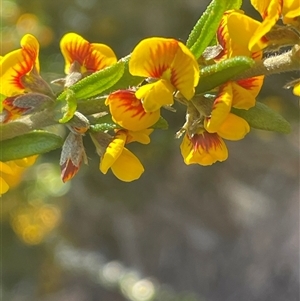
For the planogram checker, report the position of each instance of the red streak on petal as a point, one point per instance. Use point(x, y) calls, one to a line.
point(131, 104)
point(24, 67)
point(11, 111)
point(157, 55)
point(248, 83)
point(206, 141)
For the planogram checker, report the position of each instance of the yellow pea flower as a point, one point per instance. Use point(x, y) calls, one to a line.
point(128, 111)
point(169, 66)
point(240, 94)
point(203, 148)
point(123, 163)
point(19, 67)
point(91, 57)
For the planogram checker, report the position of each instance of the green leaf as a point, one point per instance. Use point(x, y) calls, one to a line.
point(103, 124)
point(29, 144)
point(161, 124)
point(68, 109)
point(96, 83)
point(263, 118)
point(217, 74)
point(127, 80)
point(205, 29)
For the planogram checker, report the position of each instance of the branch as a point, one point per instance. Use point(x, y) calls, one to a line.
point(285, 62)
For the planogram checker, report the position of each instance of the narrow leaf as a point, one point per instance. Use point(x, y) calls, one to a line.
point(29, 144)
point(69, 106)
point(161, 124)
point(263, 118)
point(96, 83)
point(217, 74)
point(127, 80)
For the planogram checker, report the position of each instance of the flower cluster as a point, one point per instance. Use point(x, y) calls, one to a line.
point(160, 71)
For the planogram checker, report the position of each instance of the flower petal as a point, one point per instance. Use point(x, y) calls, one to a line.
point(113, 151)
point(5, 168)
point(221, 108)
point(270, 11)
point(185, 72)
point(30, 44)
point(3, 186)
point(17, 64)
point(241, 29)
point(128, 111)
point(245, 91)
point(268, 8)
point(152, 57)
point(203, 148)
point(155, 95)
point(234, 128)
point(296, 89)
point(166, 59)
point(139, 136)
point(127, 167)
point(290, 11)
point(91, 57)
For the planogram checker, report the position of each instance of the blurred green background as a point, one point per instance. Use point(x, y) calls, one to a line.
point(225, 232)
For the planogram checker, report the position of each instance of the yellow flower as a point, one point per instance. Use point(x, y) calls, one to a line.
point(291, 11)
point(12, 171)
point(123, 163)
point(19, 67)
point(128, 111)
point(207, 147)
point(169, 65)
point(296, 89)
point(91, 57)
point(271, 11)
point(240, 94)
point(203, 148)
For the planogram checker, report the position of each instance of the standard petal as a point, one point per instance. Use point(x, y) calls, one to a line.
point(14, 66)
point(127, 167)
point(91, 57)
point(30, 44)
point(152, 57)
point(221, 108)
point(241, 29)
point(234, 128)
point(185, 72)
point(155, 95)
point(113, 151)
point(204, 149)
point(128, 111)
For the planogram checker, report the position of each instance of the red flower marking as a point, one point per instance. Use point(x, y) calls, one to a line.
point(24, 67)
point(157, 57)
point(128, 100)
point(10, 110)
point(206, 141)
point(248, 83)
